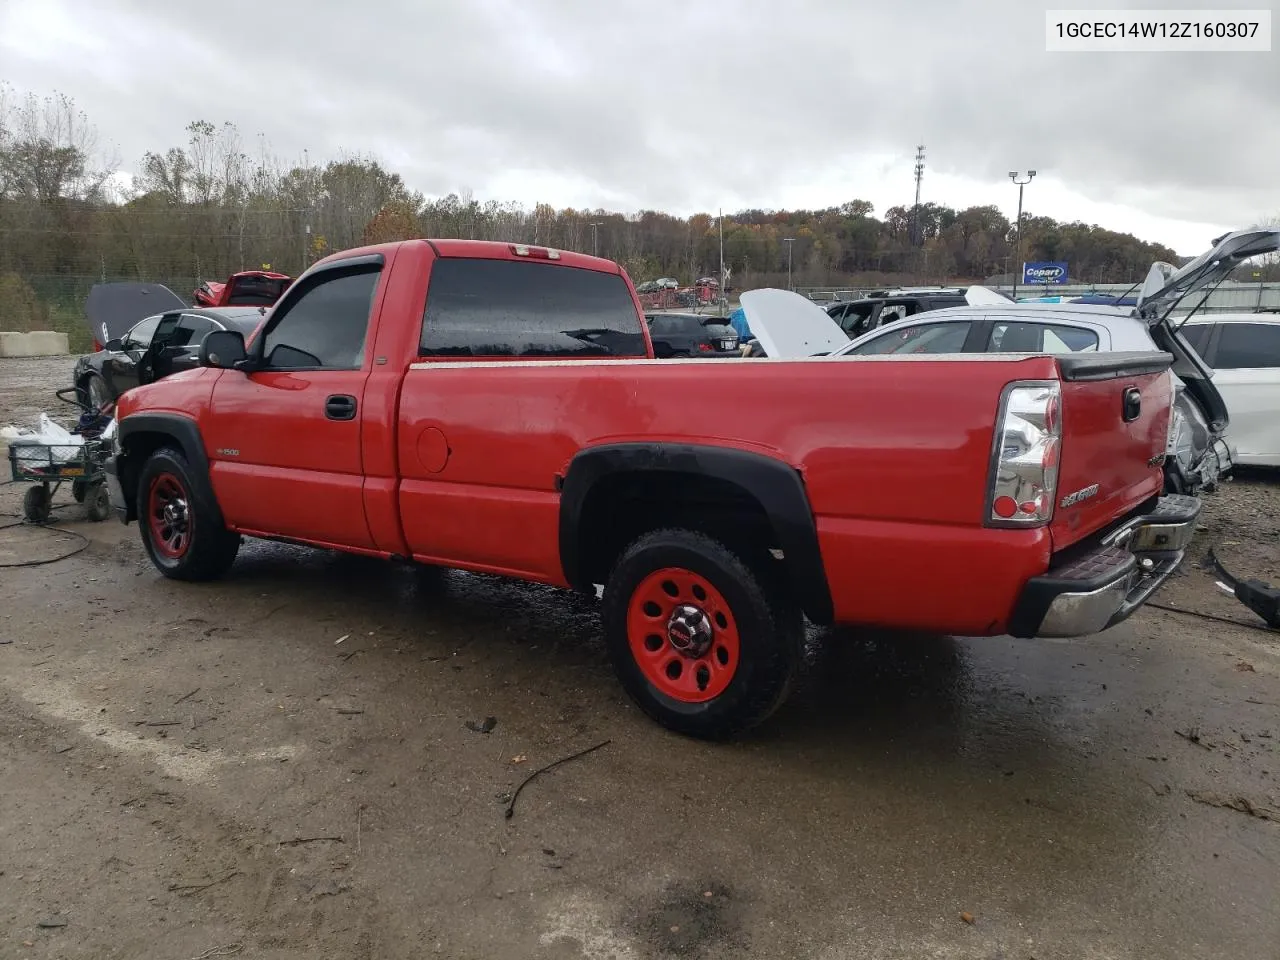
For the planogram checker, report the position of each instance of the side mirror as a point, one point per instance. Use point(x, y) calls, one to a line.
point(223, 349)
point(114, 345)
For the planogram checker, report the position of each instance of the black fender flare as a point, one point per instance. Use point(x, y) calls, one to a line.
point(186, 436)
point(777, 486)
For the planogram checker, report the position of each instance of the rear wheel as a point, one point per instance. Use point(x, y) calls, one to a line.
point(180, 527)
point(704, 644)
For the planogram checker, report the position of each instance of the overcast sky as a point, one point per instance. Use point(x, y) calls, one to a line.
point(685, 105)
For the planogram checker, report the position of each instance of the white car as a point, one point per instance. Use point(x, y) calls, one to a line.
point(1198, 454)
point(1243, 349)
point(786, 325)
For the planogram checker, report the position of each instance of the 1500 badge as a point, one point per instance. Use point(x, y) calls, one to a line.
point(1071, 499)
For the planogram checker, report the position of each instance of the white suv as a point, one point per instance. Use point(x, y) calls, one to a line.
point(1243, 349)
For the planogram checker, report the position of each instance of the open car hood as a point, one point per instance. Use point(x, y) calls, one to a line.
point(112, 308)
point(1167, 285)
point(789, 325)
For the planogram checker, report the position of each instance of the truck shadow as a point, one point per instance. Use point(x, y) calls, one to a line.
point(864, 688)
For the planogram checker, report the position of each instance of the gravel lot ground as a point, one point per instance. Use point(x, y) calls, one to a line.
point(280, 766)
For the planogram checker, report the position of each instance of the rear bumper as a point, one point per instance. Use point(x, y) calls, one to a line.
point(1105, 585)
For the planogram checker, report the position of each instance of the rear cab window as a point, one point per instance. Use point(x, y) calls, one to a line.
point(503, 308)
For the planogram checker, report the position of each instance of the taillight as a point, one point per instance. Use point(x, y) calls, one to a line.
point(1027, 446)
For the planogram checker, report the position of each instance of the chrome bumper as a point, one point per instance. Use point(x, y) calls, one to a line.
point(1100, 588)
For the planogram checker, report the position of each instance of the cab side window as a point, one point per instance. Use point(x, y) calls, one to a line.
point(324, 324)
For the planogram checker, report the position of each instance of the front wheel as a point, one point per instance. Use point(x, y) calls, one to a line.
point(96, 388)
point(181, 530)
point(704, 644)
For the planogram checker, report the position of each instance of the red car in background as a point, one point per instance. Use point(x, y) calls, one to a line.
point(250, 288)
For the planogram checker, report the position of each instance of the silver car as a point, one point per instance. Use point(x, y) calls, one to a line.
point(1197, 455)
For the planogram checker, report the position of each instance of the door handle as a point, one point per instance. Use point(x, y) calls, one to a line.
point(340, 407)
point(1132, 404)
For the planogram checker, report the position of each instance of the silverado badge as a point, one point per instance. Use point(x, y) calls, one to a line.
point(1071, 499)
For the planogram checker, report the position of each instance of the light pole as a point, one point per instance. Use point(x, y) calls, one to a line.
point(789, 241)
point(595, 240)
point(1013, 175)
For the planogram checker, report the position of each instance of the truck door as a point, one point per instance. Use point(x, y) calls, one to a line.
point(284, 439)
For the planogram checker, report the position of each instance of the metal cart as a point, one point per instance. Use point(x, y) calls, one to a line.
point(48, 466)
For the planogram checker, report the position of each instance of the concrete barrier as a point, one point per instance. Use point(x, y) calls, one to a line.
point(37, 343)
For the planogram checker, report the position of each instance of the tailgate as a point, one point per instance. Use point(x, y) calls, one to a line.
point(1115, 426)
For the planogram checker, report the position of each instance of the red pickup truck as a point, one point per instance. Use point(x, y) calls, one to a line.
point(496, 407)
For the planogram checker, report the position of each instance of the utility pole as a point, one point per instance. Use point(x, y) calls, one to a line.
point(915, 229)
point(789, 241)
point(724, 288)
point(595, 239)
point(916, 239)
point(1017, 263)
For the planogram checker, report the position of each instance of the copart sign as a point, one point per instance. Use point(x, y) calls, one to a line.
point(1042, 273)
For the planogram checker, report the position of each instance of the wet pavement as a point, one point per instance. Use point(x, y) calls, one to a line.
point(288, 764)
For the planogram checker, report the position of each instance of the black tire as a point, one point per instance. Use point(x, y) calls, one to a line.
point(98, 501)
point(191, 543)
point(36, 504)
point(768, 626)
point(1173, 481)
point(78, 490)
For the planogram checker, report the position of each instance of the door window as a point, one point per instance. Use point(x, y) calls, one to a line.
point(509, 308)
point(191, 330)
point(324, 326)
point(924, 338)
point(1198, 334)
point(139, 338)
point(857, 320)
point(1022, 336)
point(1245, 345)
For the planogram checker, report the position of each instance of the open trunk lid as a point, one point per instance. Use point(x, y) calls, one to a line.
point(1166, 287)
point(112, 308)
point(1115, 424)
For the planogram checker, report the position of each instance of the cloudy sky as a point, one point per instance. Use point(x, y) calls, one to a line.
point(685, 105)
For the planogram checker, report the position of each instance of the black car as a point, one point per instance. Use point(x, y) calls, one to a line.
point(156, 347)
point(691, 335)
point(856, 317)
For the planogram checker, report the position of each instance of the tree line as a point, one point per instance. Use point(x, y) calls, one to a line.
point(215, 204)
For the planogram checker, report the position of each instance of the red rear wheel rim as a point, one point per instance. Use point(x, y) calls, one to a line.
point(683, 635)
point(169, 516)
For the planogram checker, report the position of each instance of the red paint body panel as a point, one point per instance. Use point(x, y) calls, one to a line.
point(1104, 449)
point(458, 463)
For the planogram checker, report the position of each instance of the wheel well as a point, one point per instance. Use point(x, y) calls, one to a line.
point(622, 506)
point(139, 446)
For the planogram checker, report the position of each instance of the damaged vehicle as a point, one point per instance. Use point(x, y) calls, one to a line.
point(860, 316)
point(1198, 453)
point(249, 288)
